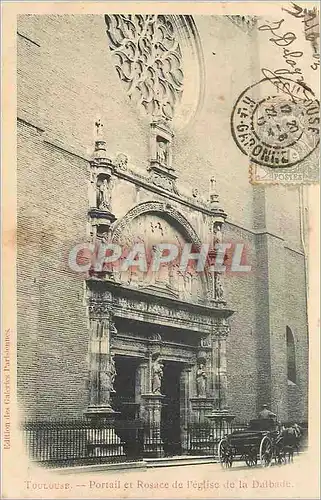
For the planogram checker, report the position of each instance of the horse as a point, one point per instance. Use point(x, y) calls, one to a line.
point(298, 433)
point(289, 440)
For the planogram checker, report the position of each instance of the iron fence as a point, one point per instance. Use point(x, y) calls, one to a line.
point(67, 442)
point(73, 442)
point(203, 438)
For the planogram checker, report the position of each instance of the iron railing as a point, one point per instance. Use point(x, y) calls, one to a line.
point(71, 442)
point(81, 441)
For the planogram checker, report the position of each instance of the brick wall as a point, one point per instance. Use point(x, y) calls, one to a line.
point(52, 326)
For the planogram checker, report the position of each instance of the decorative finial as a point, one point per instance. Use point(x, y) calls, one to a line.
point(100, 153)
point(213, 193)
point(99, 127)
point(213, 185)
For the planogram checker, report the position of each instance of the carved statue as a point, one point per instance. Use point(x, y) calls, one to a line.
point(105, 237)
point(161, 154)
point(157, 375)
point(104, 195)
point(218, 236)
point(105, 381)
point(107, 377)
point(195, 193)
point(188, 284)
point(213, 185)
point(122, 161)
point(112, 373)
point(219, 290)
point(99, 127)
point(201, 377)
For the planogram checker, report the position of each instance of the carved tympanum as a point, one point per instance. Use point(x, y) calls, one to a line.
point(148, 60)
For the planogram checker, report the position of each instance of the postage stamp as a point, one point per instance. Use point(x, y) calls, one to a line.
point(275, 122)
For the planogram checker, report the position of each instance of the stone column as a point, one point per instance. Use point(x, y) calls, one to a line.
point(152, 411)
point(222, 372)
point(202, 401)
point(216, 376)
point(151, 404)
point(185, 412)
point(220, 417)
point(102, 439)
point(101, 369)
point(141, 387)
point(219, 336)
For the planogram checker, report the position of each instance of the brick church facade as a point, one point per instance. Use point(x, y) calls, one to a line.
point(160, 90)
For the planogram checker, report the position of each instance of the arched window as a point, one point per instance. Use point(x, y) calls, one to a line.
point(290, 348)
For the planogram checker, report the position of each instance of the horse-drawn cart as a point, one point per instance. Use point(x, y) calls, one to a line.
point(259, 444)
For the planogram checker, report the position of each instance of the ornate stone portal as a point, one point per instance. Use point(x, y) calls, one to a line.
point(157, 339)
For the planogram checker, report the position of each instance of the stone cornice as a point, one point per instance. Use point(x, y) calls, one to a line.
point(140, 179)
point(119, 292)
point(122, 337)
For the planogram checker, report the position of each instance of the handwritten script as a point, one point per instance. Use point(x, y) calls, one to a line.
point(290, 55)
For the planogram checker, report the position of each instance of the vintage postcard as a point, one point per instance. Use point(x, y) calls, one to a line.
point(160, 173)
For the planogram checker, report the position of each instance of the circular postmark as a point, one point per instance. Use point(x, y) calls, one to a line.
point(276, 122)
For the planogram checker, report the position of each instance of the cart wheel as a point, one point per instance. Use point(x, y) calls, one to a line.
point(266, 452)
point(251, 460)
point(225, 454)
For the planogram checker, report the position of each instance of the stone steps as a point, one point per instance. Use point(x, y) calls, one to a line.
point(179, 460)
point(147, 463)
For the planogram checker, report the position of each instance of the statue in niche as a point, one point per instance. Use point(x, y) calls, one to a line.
point(172, 277)
point(105, 237)
point(218, 236)
point(213, 185)
point(188, 284)
point(161, 154)
point(99, 129)
point(195, 193)
point(219, 290)
point(122, 161)
point(157, 376)
point(104, 381)
point(104, 195)
point(201, 377)
point(107, 377)
point(112, 373)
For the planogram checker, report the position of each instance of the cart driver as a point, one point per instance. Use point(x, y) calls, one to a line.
point(266, 413)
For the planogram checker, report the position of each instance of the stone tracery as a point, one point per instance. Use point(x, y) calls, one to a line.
point(148, 60)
